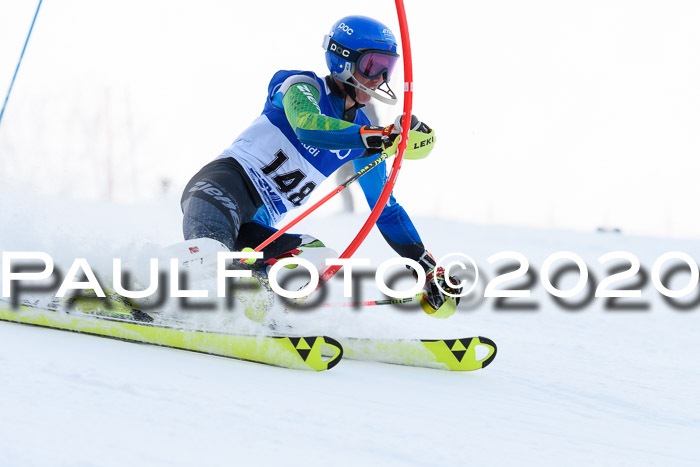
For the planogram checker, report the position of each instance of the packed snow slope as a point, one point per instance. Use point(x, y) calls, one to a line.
point(568, 387)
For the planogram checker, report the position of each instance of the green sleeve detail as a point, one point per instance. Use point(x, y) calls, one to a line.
point(301, 107)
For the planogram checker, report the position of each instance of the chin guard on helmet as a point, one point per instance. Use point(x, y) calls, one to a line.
point(346, 77)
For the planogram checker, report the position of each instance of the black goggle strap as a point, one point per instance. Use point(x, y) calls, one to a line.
point(339, 50)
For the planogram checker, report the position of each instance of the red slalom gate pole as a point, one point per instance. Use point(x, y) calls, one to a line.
point(394, 301)
point(396, 167)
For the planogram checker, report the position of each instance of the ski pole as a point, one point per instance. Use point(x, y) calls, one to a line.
point(316, 205)
point(391, 301)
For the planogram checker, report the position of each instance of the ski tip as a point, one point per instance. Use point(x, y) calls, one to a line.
point(329, 342)
point(488, 342)
point(465, 354)
point(316, 352)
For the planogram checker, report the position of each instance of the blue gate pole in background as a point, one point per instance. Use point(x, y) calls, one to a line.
point(2, 111)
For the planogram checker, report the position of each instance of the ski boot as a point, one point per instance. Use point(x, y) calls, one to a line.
point(433, 299)
point(112, 306)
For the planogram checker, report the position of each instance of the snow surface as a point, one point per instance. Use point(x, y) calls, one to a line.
point(590, 387)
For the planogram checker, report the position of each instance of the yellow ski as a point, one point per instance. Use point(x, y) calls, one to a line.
point(466, 354)
point(300, 353)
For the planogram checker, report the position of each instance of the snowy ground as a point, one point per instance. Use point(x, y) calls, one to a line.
point(587, 387)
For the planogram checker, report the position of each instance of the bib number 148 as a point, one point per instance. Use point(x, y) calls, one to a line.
point(288, 181)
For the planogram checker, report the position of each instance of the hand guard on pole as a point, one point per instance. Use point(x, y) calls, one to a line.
point(421, 139)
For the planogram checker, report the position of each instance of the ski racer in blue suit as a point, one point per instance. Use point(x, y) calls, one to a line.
point(309, 127)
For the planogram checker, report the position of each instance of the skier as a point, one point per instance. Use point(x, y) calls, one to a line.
point(309, 127)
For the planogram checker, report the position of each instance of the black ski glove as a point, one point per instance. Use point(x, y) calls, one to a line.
point(376, 139)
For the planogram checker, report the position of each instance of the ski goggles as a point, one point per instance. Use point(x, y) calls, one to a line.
point(370, 63)
point(374, 63)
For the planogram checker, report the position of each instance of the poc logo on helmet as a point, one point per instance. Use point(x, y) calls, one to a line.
point(339, 50)
point(344, 27)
